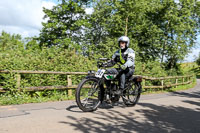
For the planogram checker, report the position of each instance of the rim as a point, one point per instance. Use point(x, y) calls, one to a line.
point(89, 94)
point(131, 94)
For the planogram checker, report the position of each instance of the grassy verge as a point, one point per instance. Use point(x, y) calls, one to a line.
point(178, 88)
point(34, 97)
point(13, 98)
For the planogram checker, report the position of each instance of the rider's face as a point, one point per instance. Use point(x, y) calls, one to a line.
point(122, 44)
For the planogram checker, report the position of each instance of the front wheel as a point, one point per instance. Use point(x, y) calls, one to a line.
point(132, 95)
point(87, 95)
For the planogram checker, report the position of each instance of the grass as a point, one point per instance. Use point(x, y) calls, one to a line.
point(33, 97)
point(173, 89)
point(11, 98)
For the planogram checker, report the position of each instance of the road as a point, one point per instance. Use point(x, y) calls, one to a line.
point(175, 112)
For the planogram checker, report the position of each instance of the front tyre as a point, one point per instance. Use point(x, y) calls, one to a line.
point(132, 95)
point(87, 95)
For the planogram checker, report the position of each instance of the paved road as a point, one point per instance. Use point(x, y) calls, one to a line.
point(177, 112)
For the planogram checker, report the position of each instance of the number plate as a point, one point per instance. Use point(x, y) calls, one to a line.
point(100, 73)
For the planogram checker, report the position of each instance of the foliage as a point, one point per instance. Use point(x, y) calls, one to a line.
point(198, 60)
point(64, 21)
point(32, 97)
point(173, 89)
point(162, 32)
point(16, 57)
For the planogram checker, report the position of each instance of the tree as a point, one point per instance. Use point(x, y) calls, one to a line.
point(65, 20)
point(10, 42)
point(164, 30)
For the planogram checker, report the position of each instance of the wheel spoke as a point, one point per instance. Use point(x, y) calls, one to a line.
point(92, 92)
point(88, 95)
point(132, 95)
point(85, 103)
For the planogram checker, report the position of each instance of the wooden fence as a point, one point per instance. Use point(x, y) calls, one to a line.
point(179, 80)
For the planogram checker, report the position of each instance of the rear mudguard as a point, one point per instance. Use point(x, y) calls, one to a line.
point(137, 79)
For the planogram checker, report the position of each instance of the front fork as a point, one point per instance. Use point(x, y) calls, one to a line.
point(102, 90)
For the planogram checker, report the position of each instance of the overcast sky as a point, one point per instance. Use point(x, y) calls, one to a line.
point(24, 17)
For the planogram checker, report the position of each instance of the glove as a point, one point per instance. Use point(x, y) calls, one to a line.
point(123, 67)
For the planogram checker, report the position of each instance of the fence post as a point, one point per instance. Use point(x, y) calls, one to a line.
point(69, 82)
point(183, 80)
point(18, 78)
point(176, 82)
point(162, 83)
point(143, 80)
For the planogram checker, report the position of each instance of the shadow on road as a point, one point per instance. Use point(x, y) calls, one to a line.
point(155, 119)
point(75, 108)
point(186, 94)
point(191, 93)
point(150, 118)
point(193, 102)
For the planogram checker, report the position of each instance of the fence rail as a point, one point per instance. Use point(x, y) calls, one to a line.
point(184, 80)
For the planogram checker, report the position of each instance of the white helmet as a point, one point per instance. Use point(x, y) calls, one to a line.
point(124, 39)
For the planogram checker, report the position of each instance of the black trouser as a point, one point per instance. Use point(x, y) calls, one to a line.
point(122, 75)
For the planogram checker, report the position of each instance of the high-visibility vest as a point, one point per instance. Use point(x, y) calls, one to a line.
point(122, 61)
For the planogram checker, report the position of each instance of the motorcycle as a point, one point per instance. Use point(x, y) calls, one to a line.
point(92, 90)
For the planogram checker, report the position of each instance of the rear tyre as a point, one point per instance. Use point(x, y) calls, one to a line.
point(87, 95)
point(132, 95)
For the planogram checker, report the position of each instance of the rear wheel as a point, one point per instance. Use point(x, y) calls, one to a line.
point(132, 95)
point(87, 95)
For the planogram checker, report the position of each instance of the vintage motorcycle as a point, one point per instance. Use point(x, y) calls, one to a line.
point(92, 90)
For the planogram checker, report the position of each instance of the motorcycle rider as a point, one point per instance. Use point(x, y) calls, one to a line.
point(126, 57)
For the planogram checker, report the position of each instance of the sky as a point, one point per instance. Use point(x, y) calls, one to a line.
point(24, 17)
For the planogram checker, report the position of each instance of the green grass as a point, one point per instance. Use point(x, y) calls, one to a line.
point(11, 98)
point(33, 97)
point(173, 89)
point(50, 96)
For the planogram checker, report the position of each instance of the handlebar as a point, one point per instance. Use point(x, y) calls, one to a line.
point(100, 64)
point(103, 62)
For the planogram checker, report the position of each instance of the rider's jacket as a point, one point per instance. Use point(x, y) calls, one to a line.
point(125, 57)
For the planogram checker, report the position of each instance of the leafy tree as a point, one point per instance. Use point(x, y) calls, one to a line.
point(64, 21)
point(16, 57)
point(10, 42)
point(164, 30)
